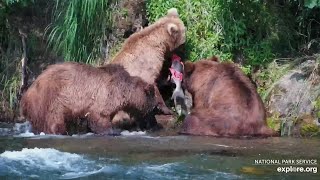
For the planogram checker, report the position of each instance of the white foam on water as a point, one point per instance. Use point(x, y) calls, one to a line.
point(112, 169)
point(83, 135)
point(47, 159)
point(34, 176)
point(43, 158)
point(25, 130)
point(48, 163)
point(72, 175)
point(133, 133)
point(163, 167)
point(25, 134)
point(149, 168)
point(48, 136)
point(22, 127)
point(42, 135)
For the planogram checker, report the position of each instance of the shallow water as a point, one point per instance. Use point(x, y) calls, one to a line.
point(147, 156)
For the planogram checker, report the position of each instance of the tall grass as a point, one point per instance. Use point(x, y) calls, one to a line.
point(10, 89)
point(10, 78)
point(78, 28)
point(10, 55)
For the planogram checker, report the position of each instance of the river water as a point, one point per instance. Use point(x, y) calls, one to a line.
point(151, 156)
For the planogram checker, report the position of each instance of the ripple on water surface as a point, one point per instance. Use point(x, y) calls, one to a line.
point(138, 155)
point(53, 164)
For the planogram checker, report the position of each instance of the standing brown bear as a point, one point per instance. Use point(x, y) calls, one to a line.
point(143, 53)
point(69, 91)
point(225, 102)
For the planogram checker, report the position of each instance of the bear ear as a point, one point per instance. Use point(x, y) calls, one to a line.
point(172, 29)
point(173, 12)
point(188, 67)
point(215, 58)
point(149, 89)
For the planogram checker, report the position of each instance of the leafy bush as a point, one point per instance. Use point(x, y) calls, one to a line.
point(6, 7)
point(223, 28)
point(312, 3)
point(254, 31)
point(204, 31)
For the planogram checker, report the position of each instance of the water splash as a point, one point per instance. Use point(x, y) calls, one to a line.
point(25, 130)
point(18, 129)
point(133, 133)
point(42, 162)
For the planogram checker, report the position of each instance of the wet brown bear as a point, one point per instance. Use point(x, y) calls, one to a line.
point(68, 91)
point(143, 53)
point(225, 102)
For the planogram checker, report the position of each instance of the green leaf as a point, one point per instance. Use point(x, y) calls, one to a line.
point(312, 3)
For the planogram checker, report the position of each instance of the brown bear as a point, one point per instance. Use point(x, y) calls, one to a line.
point(68, 91)
point(225, 102)
point(143, 53)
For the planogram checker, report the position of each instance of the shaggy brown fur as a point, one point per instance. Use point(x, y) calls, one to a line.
point(225, 102)
point(143, 53)
point(68, 91)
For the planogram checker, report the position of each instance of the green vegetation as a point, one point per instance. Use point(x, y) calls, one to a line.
point(261, 35)
point(255, 33)
point(274, 122)
point(316, 106)
point(78, 29)
point(10, 54)
point(9, 80)
point(268, 76)
point(76, 34)
point(256, 30)
point(309, 130)
point(223, 28)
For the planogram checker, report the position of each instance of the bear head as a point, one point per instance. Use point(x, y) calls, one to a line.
point(174, 28)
